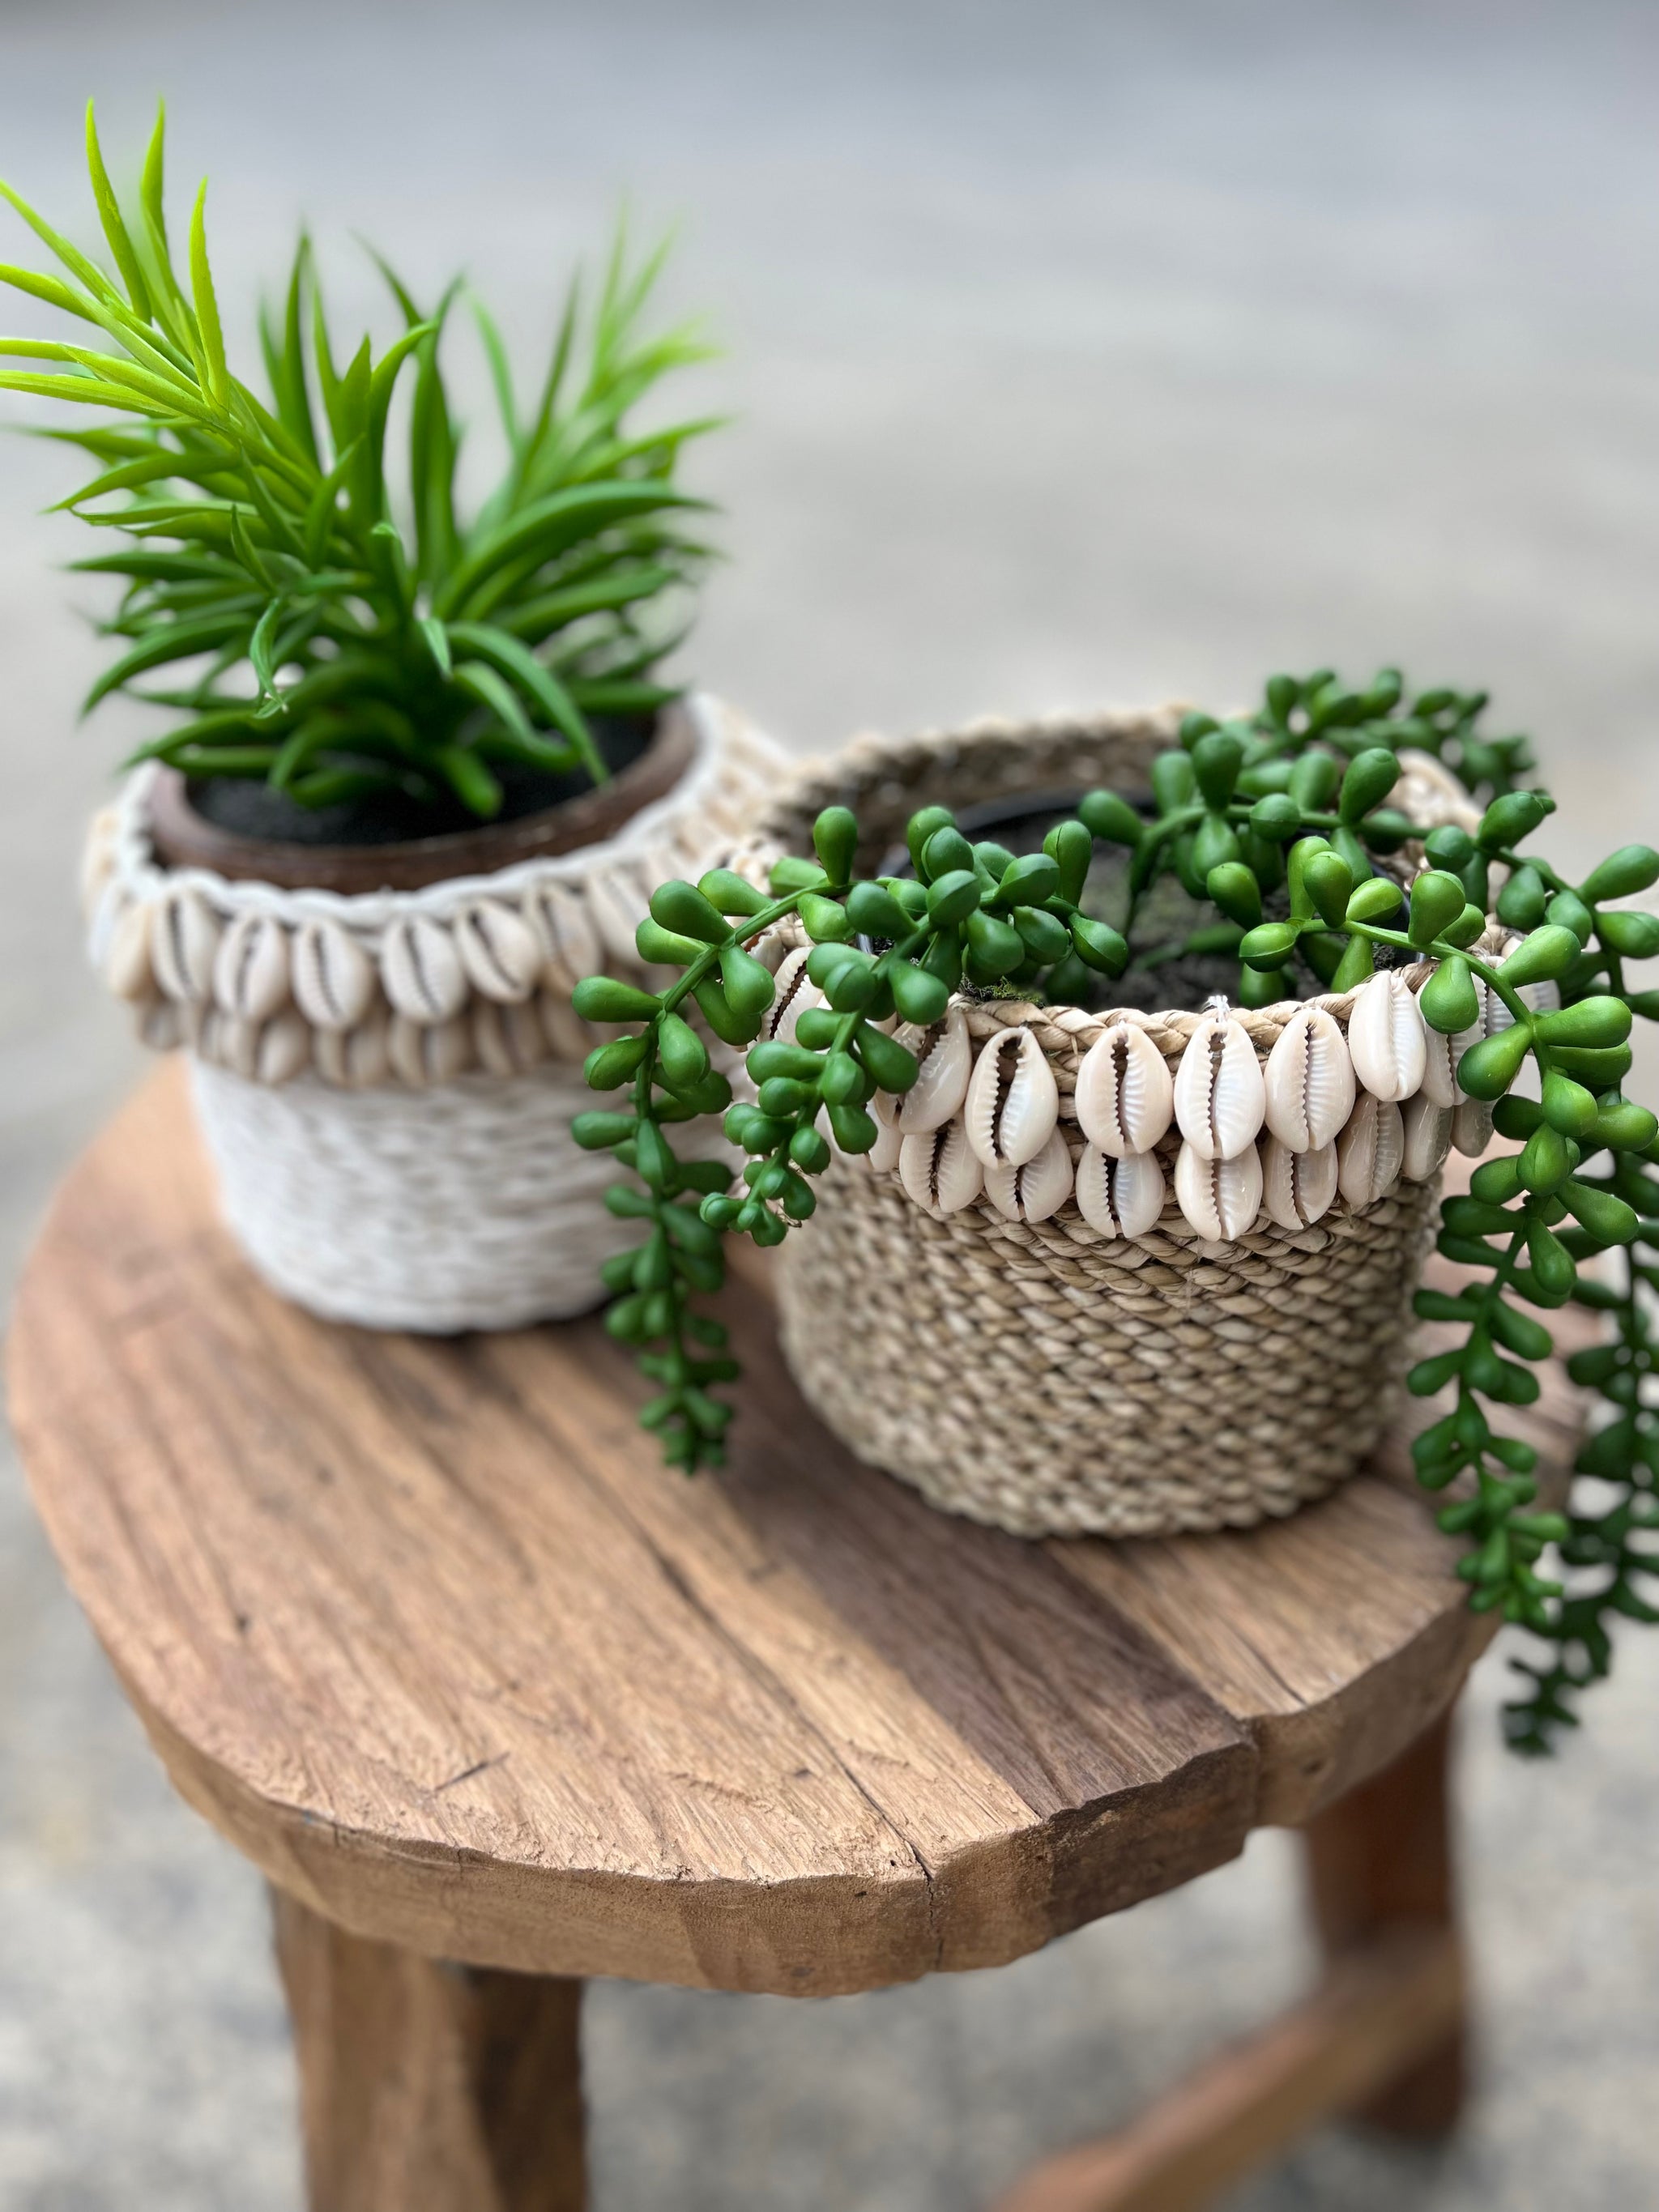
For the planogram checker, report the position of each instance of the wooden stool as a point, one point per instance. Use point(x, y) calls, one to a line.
point(496, 1702)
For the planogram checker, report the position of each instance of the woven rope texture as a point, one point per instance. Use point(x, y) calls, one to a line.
point(1038, 1375)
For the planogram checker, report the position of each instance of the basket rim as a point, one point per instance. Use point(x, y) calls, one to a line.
point(870, 757)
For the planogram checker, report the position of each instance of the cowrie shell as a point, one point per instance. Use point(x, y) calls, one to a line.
point(283, 1050)
point(332, 978)
point(1309, 1082)
point(618, 907)
point(508, 1039)
point(1034, 1187)
point(1428, 1126)
point(1472, 1127)
point(97, 859)
point(940, 1170)
point(1220, 1097)
point(111, 903)
point(570, 943)
point(947, 1055)
point(883, 1157)
point(1370, 1150)
point(794, 992)
point(1125, 1096)
point(424, 1052)
point(185, 934)
point(234, 1043)
point(1299, 1187)
point(251, 970)
point(1120, 1194)
point(1387, 1040)
point(127, 971)
point(1219, 1197)
point(569, 1038)
point(1440, 1068)
point(356, 1059)
point(421, 970)
point(499, 951)
point(772, 947)
point(1013, 1101)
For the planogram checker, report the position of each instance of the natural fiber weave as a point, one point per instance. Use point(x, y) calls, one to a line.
point(1043, 1378)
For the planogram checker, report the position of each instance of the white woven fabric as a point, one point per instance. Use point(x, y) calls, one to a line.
point(467, 1206)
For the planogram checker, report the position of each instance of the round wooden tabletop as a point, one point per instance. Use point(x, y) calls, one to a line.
point(427, 1630)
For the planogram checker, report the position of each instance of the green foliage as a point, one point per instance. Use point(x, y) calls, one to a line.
point(1285, 804)
point(340, 632)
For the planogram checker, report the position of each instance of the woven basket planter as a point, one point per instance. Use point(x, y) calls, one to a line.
point(385, 1082)
point(1052, 1379)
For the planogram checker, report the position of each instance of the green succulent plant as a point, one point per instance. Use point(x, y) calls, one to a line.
point(1288, 805)
point(322, 620)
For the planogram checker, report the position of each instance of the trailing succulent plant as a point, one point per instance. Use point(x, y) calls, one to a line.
point(344, 636)
point(1280, 820)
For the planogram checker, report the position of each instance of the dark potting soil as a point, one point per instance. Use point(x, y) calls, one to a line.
point(1167, 914)
point(249, 808)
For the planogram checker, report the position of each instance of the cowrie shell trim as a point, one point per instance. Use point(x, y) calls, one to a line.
point(1220, 1096)
point(1125, 1097)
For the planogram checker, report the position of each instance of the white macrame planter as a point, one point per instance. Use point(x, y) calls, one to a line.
point(385, 1083)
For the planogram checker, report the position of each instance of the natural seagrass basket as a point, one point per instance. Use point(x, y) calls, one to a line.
point(1040, 1375)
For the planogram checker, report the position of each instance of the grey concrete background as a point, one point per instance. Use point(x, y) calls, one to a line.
point(1079, 353)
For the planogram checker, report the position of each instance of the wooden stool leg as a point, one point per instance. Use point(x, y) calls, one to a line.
point(429, 2088)
point(1381, 2039)
point(1380, 1861)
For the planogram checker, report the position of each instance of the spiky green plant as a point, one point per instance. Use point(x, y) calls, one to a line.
point(341, 632)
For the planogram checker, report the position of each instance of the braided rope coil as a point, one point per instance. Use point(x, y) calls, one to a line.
point(1019, 1366)
point(385, 1083)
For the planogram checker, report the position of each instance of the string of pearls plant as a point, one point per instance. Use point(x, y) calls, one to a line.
point(1280, 822)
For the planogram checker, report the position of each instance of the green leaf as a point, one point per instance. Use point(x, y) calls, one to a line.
point(1632, 868)
point(285, 364)
point(87, 390)
point(552, 525)
point(152, 183)
point(500, 372)
point(623, 586)
point(432, 452)
point(322, 514)
point(1437, 899)
point(1491, 1064)
point(485, 684)
point(1594, 1023)
point(207, 305)
point(470, 780)
point(1546, 953)
point(513, 659)
point(247, 554)
point(115, 228)
point(603, 698)
point(88, 272)
point(260, 645)
point(175, 640)
point(437, 638)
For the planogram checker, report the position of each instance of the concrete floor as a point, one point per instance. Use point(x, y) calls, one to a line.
point(1079, 352)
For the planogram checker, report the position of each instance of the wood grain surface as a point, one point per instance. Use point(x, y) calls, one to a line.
point(425, 1630)
point(430, 2087)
